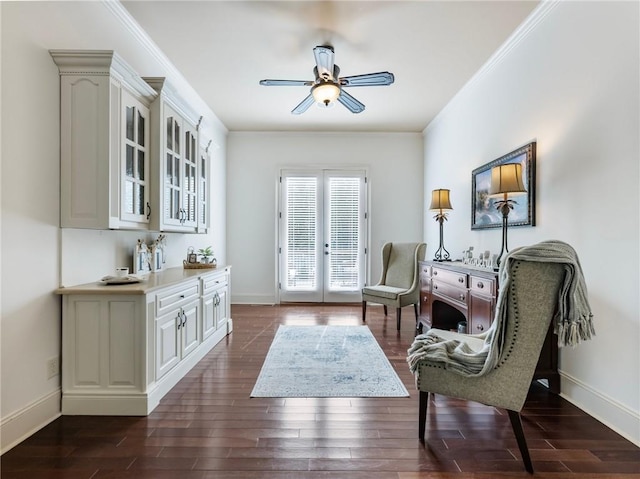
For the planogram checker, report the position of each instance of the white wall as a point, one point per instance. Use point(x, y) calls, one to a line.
point(395, 166)
point(37, 256)
point(571, 83)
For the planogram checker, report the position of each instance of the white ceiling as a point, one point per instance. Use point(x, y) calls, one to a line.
point(223, 48)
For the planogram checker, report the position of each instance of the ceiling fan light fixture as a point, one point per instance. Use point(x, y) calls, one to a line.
point(325, 93)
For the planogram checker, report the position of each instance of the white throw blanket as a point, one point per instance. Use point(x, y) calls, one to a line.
point(573, 321)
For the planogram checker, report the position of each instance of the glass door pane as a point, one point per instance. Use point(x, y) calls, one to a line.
point(189, 187)
point(134, 191)
point(343, 234)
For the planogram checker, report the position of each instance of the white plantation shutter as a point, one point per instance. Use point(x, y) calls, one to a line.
point(344, 234)
point(301, 220)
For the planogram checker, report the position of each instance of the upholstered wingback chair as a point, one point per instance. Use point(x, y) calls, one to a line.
point(399, 282)
point(531, 303)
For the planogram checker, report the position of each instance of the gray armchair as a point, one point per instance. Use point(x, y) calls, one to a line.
point(532, 299)
point(399, 282)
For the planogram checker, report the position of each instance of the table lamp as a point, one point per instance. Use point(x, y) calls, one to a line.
point(440, 202)
point(506, 180)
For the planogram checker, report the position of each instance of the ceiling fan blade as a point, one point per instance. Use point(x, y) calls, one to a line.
point(351, 103)
point(368, 79)
point(324, 61)
point(303, 105)
point(286, 83)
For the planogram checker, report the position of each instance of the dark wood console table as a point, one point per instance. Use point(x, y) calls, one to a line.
point(453, 292)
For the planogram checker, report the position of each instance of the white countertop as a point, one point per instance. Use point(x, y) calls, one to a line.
point(153, 281)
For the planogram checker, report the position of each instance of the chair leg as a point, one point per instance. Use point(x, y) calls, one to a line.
point(364, 311)
point(415, 310)
point(384, 308)
point(398, 314)
point(422, 414)
point(516, 424)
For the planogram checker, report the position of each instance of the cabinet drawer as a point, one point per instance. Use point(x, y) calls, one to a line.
point(483, 286)
point(213, 282)
point(425, 270)
point(451, 277)
point(425, 285)
point(459, 295)
point(171, 298)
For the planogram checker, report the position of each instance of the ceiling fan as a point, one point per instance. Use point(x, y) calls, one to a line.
point(328, 85)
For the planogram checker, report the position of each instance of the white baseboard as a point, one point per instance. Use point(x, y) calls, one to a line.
point(605, 409)
point(252, 299)
point(18, 426)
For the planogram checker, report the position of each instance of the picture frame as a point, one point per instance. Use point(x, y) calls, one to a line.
point(483, 211)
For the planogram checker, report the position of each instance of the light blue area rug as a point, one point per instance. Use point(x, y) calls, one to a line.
point(327, 361)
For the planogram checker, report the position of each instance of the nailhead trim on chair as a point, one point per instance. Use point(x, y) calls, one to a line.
point(516, 316)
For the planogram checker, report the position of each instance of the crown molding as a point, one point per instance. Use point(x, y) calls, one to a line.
point(519, 34)
point(177, 79)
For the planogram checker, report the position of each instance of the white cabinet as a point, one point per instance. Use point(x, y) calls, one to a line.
point(104, 141)
point(215, 303)
point(175, 153)
point(167, 343)
point(177, 336)
point(125, 347)
point(177, 331)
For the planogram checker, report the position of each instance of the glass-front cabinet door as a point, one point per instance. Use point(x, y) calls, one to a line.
point(174, 151)
point(172, 209)
point(189, 191)
point(134, 188)
point(179, 196)
point(203, 172)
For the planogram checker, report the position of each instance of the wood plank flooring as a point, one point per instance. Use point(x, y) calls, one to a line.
point(208, 427)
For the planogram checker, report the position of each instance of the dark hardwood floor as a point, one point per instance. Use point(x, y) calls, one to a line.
point(207, 427)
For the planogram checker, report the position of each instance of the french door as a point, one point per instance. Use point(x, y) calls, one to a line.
point(322, 235)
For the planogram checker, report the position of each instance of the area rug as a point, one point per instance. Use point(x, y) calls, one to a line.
point(327, 361)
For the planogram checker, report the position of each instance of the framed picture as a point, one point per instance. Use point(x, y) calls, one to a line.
point(483, 211)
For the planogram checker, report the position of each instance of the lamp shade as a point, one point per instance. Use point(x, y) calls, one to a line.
point(440, 200)
point(507, 179)
point(325, 92)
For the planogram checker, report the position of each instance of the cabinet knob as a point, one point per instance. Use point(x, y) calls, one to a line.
point(480, 285)
point(462, 297)
point(480, 327)
point(182, 296)
point(435, 273)
point(435, 286)
point(461, 280)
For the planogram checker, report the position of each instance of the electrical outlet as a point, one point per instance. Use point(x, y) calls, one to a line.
point(53, 367)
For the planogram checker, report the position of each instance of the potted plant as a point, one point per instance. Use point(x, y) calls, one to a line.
point(206, 253)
